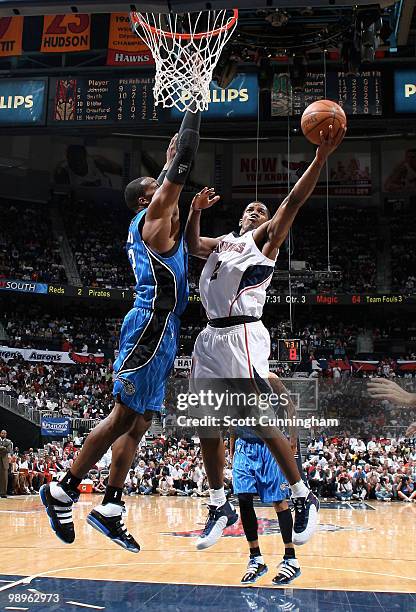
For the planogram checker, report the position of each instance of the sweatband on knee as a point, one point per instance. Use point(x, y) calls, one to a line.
point(286, 525)
point(186, 148)
point(248, 516)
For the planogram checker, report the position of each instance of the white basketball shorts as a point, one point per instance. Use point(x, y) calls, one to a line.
point(239, 351)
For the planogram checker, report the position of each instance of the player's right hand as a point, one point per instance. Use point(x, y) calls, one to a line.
point(171, 152)
point(384, 389)
point(204, 199)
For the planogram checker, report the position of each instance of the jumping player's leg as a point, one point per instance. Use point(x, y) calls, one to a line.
point(256, 566)
point(289, 567)
point(107, 517)
point(221, 513)
point(58, 498)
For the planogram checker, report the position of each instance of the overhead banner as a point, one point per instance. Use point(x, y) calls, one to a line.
point(7, 353)
point(405, 91)
point(349, 170)
point(66, 33)
point(60, 427)
point(11, 31)
point(398, 166)
point(239, 100)
point(22, 101)
point(124, 47)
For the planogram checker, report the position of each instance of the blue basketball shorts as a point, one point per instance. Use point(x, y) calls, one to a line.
point(255, 471)
point(148, 346)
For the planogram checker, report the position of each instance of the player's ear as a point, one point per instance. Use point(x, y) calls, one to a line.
point(240, 223)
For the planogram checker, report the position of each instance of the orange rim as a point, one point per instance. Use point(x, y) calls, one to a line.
point(135, 17)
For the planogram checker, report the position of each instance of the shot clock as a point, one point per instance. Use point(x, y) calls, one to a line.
point(288, 351)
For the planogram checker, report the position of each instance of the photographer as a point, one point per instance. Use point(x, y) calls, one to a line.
point(384, 490)
point(406, 490)
point(344, 488)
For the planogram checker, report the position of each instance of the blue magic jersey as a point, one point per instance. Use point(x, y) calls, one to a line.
point(161, 282)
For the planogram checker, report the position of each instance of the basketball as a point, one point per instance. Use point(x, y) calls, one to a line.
point(319, 116)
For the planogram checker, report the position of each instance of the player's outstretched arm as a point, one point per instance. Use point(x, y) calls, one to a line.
point(198, 245)
point(158, 230)
point(273, 233)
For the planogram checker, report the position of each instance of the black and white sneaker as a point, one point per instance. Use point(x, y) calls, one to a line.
point(218, 519)
point(287, 570)
point(306, 518)
point(58, 504)
point(108, 520)
point(255, 570)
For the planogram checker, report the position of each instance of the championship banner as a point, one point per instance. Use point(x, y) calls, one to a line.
point(7, 353)
point(124, 47)
point(66, 33)
point(11, 31)
point(60, 427)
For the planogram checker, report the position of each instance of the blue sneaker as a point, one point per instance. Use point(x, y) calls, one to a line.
point(218, 519)
point(108, 520)
point(306, 518)
point(58, 504)
point(287, 570)
point(255, 570)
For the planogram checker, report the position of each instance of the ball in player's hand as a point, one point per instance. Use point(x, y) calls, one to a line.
point(318, 116)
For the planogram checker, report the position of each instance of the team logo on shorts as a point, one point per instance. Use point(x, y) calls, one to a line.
point(284, 486)
point(128, 386)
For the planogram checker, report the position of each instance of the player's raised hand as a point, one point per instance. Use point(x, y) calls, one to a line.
point(171, 150)
point(205, 199)
point(329, 142)
point(384, 389)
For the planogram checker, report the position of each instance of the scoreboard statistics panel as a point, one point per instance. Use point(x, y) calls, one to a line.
point(94, 101)
point(288, 350)
point(357, 94)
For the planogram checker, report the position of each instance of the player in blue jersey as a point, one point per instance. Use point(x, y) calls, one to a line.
point(148, 342)
point(255, 472)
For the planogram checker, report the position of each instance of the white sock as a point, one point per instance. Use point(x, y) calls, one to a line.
point(109, 509)
point(299, 489)
point(217, 497)
point(58, 493)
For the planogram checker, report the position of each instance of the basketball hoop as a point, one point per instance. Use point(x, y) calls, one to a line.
point(185, 56)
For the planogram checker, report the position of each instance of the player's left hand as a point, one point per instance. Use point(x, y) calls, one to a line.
point(205, 199)
point(329, 142)
point(171, 151)
point(411, 431)
point(384, 389)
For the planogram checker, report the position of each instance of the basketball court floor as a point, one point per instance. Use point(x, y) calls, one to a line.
point(362, 559)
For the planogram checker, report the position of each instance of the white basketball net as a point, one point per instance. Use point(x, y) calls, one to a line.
point(184, 66)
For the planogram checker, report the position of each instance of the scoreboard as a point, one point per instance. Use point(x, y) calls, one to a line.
point(357, 94)
point(93, 101)
point(288, 350)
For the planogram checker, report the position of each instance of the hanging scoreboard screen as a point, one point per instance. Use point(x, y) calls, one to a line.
point(95, 101)
point(357, 94)
point(288, 351)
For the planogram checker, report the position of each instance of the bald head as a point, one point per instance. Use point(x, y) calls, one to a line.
point(139, 193)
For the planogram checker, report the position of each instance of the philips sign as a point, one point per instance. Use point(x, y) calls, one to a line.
point(405, 91)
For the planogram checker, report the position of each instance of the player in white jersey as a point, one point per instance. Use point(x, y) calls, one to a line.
point(235, 343)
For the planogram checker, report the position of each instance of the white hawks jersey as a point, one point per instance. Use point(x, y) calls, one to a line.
point(235, 278)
